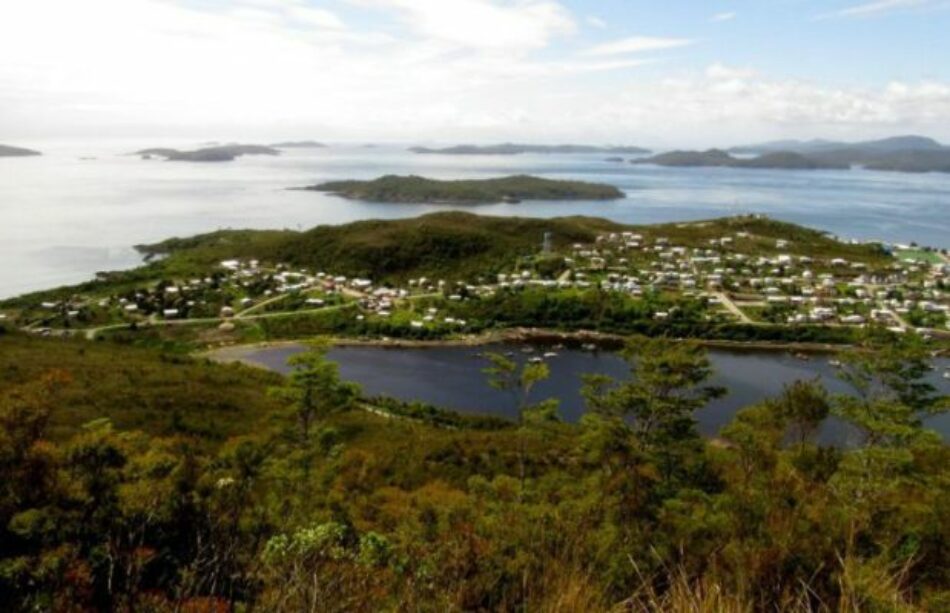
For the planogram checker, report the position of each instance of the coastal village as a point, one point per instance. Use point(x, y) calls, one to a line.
point(736, 277)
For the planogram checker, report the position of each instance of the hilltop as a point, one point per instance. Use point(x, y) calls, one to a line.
point(517, 149)
point(222, 153)
point(413, 189)
point(6, 151)
point(719, 158)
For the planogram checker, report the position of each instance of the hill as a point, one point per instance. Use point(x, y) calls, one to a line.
point(222, 153)
point(413, 189)
point(517, 149)
point(886, 145)
point(719, 158)
point(6, 151)
point(451, 243)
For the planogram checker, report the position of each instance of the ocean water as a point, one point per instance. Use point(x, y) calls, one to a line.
point(79, 209)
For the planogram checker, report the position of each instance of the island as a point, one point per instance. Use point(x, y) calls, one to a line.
point(6, 151)
point(299, 144)
point(898, 154)
point(517, 149)
point(222, 153)
point(719, 158)
point(420, 190)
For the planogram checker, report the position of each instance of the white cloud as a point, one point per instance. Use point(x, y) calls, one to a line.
point(720, 71)
point(721, 17)
point(637, 44)
point(485, 24)
point(596, 22)
point(881, 7)
point(264, 69)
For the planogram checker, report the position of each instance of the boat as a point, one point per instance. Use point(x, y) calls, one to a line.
point(946, 374)
point(803, 357)
point(589, 347)
point(835, 362)
point(535, 360)
point(527, 350)
point(550, 354)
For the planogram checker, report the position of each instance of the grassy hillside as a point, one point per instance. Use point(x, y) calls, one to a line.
point(392, 188)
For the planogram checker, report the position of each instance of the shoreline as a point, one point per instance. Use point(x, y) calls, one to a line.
point(539, 336)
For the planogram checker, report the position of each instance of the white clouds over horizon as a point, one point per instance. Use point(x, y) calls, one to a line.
point(415, 70)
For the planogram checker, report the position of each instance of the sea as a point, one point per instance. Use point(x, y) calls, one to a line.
point(81, 207)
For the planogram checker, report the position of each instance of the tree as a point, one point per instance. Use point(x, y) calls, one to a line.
point(314, 388)
point(506, 375)
point(891, 396)
point(804, 405)
point(667, 386)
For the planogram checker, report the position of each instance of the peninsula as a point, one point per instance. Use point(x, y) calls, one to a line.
point(414, 189)
point(223, 153)
point(6, 151)
point(517, 149)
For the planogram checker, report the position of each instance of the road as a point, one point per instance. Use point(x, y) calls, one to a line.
point(727, 302)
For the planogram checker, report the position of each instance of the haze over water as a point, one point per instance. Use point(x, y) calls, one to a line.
point(64, 218)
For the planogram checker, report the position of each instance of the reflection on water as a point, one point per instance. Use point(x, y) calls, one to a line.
point(59, 201)
point(452, 377)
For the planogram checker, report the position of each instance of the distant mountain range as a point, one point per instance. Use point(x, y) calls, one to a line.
point(516, 149)
point(222, 153)
point(7, 151)
point(899, 154)
point(886, 145)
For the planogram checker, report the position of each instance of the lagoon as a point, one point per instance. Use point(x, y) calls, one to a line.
point(451, 377)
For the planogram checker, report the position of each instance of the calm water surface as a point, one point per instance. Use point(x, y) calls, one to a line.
point(451, 377)
point(62, 218)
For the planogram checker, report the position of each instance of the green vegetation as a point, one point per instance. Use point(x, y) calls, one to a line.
point(223, 153)
point(392, 188)
point(301, 501)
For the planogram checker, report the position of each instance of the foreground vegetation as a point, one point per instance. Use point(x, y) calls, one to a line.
point(294, 497)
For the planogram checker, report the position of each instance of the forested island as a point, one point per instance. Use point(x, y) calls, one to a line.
point(720, 158)
point(517, 149)
point(413, 189)
point(7, 151)
point(221, 153)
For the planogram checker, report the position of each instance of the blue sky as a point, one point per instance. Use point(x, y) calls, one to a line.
point(689, 72)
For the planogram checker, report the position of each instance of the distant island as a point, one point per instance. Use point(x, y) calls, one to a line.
point(899, 153)
point(517, 149)
point(413, 189)
point(7, 151)
point(719, 158)
point(222, 153)
point(299, 144)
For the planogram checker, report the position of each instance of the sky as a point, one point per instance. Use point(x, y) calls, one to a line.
point(637, 72)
